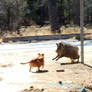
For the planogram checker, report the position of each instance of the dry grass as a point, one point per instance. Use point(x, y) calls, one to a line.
point(45, 30)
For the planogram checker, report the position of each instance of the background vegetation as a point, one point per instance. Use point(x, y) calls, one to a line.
point(17, 13)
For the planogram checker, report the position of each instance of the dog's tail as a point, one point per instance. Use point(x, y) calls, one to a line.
point(24, 63)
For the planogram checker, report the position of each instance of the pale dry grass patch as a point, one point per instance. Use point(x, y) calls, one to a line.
point(46, 30)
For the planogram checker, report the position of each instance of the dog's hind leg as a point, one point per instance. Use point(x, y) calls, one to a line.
point(38, 68)
point(30, 69)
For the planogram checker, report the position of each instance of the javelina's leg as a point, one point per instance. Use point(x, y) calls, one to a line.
point(55, 57)
point(78, 60)
point(58, 58)
point(72, 60)
point(68, 61)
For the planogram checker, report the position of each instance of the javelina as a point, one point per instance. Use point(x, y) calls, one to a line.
point(66, 50)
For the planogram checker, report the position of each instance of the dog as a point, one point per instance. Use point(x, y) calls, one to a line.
point(36, 62)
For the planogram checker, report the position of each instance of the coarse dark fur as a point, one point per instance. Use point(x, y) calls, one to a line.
point(66, 50)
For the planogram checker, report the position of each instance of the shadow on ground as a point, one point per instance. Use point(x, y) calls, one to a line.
point(41, 71)
point(76, 63)
point(69, 63)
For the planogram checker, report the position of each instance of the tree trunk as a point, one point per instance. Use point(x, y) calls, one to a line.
point(61, 12)
point(9, 18)
point(76, 4)
point(54, 20)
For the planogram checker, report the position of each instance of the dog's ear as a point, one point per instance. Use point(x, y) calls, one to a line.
point(39, 54)
point(42, 54)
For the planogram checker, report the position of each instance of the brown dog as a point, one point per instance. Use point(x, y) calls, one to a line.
point(36, 62)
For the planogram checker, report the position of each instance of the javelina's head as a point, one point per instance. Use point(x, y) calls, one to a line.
point(60, 48)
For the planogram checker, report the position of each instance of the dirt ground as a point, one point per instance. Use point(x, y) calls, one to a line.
point(74, 76)
point(56, 76)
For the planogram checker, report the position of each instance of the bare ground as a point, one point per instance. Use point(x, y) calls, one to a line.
point(73, 77)
point(76, 74)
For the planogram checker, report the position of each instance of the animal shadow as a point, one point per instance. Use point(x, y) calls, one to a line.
point(69, 63)
point(41, 71)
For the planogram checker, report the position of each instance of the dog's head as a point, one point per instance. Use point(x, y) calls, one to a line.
point(40, 55)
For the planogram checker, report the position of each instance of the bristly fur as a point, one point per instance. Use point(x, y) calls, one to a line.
point(67, 50)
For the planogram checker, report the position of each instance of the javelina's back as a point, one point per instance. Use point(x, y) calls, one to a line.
point(70, 51)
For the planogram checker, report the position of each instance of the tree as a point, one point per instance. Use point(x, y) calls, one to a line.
point(60, 11)
point(76, 6)
point(53, 17)
point(14, 12)
point(88, 11)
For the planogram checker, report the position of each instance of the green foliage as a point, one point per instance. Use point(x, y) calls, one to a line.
point(34, 10)
point(37, 10)
point(88, 12)
point(14, 12)
point(66, 10)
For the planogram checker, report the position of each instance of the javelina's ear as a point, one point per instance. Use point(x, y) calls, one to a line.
point(61, 44)
point(57, 44)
